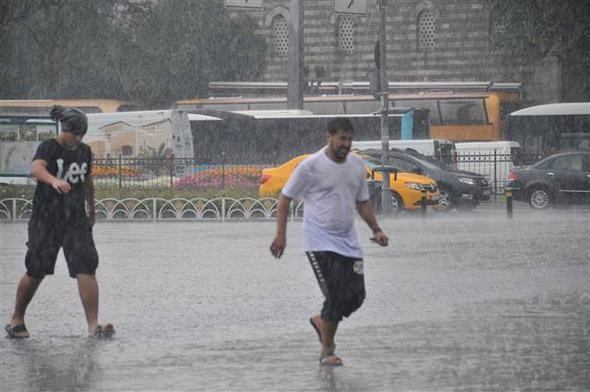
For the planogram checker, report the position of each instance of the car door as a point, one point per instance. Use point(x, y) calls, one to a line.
point(571, 176)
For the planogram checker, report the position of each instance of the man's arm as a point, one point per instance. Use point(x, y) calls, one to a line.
point(366, 212)
point(89, 195)
point(40, 172)
point(280, 241)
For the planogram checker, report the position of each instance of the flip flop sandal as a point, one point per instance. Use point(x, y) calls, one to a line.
point(331, 360)
point(104, 332)
point(12, 331)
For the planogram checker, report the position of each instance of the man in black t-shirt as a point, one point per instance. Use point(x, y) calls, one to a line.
point(63, 216)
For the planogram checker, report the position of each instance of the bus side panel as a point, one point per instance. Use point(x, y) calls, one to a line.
point(273, 140)
point(463, 133)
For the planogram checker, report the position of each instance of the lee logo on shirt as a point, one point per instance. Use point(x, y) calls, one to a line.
point(74, 173)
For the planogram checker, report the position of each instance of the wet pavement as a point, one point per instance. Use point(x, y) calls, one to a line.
point(457, 302)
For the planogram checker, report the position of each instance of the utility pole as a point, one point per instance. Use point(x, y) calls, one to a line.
point(386, 203)
point(295, 67)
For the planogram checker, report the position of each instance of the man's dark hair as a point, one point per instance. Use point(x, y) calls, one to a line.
point(72, 120)
point(340, 124)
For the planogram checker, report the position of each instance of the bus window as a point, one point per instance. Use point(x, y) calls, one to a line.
point(429, 104)
point(23, 129)
point(463, 112)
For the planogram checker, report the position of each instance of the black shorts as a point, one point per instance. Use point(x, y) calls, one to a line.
point(47, 237)
point(342, 282)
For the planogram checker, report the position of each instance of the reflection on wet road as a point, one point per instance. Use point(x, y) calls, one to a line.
point(457, 302)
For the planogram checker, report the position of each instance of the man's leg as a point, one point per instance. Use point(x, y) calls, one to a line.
point(27, 286)
point(327, 332)
point(88, 288)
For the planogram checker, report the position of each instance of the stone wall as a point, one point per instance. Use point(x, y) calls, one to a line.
point(460, 48)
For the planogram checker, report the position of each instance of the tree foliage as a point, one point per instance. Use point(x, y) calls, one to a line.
point(149, 55)
point(527, 31)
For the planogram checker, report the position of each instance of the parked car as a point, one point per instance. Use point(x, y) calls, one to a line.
point(458, 188)
point(406, 188)
point(490, 159)
point(560, 178)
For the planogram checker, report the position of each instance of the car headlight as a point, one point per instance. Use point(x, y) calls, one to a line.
point(414, 185)
point(467, 180)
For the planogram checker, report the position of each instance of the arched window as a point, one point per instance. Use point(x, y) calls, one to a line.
point(345, 34)
point(280, 32)
point(426, 30)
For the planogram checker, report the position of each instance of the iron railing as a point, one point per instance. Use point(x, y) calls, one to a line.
point(159, 209)
point(189, 174)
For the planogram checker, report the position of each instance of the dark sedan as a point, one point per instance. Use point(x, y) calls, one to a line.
point(460, 189)
point(560, 178)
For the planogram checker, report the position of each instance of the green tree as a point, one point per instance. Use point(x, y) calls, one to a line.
point(179, 46)
point(56, 48)
point(529, 30)
point(122, 49)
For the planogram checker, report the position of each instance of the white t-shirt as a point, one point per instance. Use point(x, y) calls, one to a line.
point(329, 191)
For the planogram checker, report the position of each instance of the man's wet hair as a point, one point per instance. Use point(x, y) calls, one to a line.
point(72, 120)
point(340, 124)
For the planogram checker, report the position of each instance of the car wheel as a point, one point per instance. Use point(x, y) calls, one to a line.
point(445, 202)
point(397, 202)
point(539, 198)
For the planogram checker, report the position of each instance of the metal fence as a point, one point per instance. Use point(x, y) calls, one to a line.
point(185, 173)
point(190, 174)
point(159, 209)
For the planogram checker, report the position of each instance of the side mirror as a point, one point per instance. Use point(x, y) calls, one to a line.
point(418, 170)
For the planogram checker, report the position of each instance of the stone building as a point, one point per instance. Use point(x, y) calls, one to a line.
point(427, 40)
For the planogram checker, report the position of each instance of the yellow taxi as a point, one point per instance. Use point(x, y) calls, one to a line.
point(406, 188)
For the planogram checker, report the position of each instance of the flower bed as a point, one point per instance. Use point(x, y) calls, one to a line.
point(112, 171)
point(243, 177)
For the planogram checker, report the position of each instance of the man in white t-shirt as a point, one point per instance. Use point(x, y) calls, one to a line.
point(332, 184)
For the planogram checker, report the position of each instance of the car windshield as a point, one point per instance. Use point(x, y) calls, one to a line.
point(428, 162)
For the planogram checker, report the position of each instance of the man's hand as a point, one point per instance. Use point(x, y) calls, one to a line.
point(278, 246)
point(61, 186)
point(380, 238)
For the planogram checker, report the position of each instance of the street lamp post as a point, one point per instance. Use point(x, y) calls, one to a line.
point(295, 66)
point(386, 203)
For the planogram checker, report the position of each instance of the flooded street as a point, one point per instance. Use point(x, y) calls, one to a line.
point(458, 301)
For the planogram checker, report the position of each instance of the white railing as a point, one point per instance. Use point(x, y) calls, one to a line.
point(158, 209)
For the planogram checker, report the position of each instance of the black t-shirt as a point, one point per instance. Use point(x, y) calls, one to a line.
point(72, 166)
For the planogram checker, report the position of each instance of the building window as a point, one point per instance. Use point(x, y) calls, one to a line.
point(127, 150)
point(345, 34)
point(426, 30)
point(280, 31)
